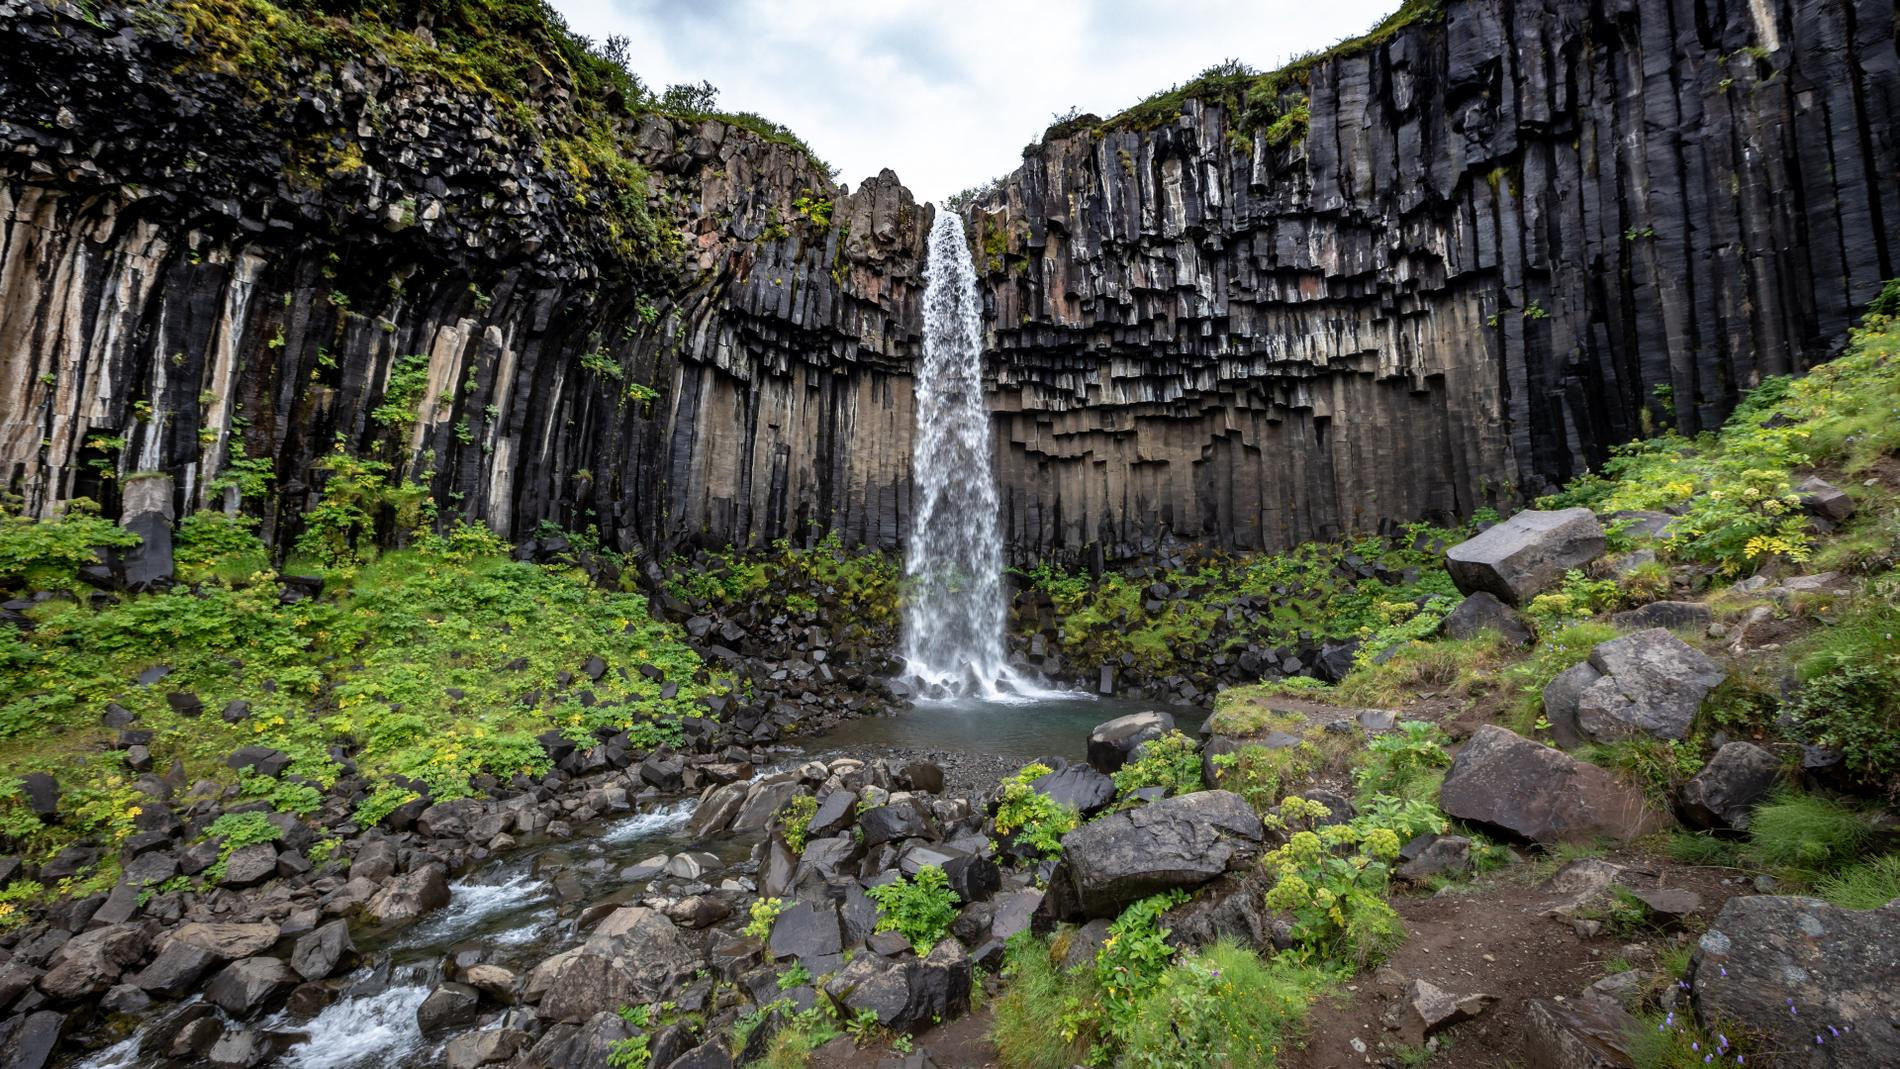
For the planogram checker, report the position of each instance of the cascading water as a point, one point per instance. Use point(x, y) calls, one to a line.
point(953, 617)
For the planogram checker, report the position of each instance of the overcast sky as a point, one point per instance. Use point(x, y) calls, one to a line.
point(947, 93)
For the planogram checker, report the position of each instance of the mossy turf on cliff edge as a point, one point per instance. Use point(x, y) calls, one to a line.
point(576, 99)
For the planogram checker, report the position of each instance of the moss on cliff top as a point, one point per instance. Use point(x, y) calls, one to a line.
point(576, 101)
point(1271, 99)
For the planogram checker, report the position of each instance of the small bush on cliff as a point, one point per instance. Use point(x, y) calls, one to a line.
point(47, 554)
point(214, 546)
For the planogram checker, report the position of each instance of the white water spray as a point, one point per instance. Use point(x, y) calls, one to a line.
point(953, 618)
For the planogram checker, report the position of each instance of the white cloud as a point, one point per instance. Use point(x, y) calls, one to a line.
point(947, 94)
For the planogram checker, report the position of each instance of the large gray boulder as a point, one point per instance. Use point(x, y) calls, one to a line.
point(1527, 554)
point(906, 994)
point(1802, 975)
point(86, 965)
point(1648, 683)
point(634, 956)
point(1723, 796)
point(1077, 786)
point(409, 896)
point(1111, 744)
point(1183, 841)
point(1530, 791)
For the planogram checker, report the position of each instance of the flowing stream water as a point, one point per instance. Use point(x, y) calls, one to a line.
point(508, 910)
point(954, 613)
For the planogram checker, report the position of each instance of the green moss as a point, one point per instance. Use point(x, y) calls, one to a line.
point(1275, 100)
point(440, 663)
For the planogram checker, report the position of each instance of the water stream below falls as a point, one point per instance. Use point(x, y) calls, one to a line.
point(517, 910)
point(507, 909)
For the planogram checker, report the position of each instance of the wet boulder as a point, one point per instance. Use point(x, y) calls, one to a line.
point(902, 819)
point(1723, 796)
point(29, 1043)
point(409, 896)
point(1804, 975)
point(1111, 744)
point(906, 994)
point(715, 812)
point(1673, 615)
point(246, 987)
point(448, 1007)
point(584, 1045)
point(318, 953)
point(1077, 786)
point(1823, 500)
point(41, 793)
point(1530, 791)
point(490, 1046)
point(1527, 554)
point(1426, 1009)
point(1183, 841)
point(86, 965)
point(806, 931)
point(634, 956)
point(249, 866)
point(1585, 1033)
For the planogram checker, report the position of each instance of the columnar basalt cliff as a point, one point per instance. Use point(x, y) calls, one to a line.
point(1495, 242)
point(1508, 237)
point(194, 262)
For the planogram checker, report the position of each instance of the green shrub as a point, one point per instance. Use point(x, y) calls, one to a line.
point(1262, 774)
point(1557, 651)
point(47, 554)
point(763, 913)
point(1037, 821)
point(1850, 690)
point(1868, 885)
point(1660, 766)
point(1404, 762)
point(1803, 831)
point(1332, 878)
point(212, 545)
point(1036, 1024)
point(1171, 762)
point(795, 821)
point(1223, 1008)
point(1466, 667)
point(1131, 962)
point(920, 908)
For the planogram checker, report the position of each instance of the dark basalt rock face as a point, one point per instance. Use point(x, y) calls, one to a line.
point(1503, 232)
point(190, 265)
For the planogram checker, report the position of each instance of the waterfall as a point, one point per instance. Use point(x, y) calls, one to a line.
point(953, 616)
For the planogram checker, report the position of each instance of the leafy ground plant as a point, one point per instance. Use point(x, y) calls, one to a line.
point(920, 908)
point(1036, 821)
